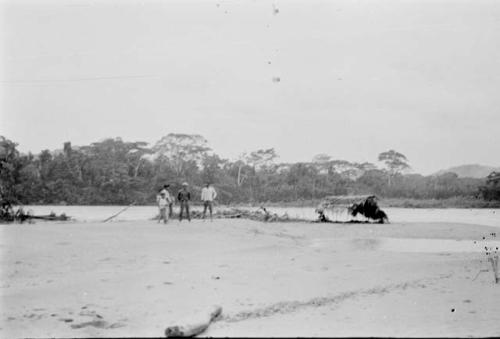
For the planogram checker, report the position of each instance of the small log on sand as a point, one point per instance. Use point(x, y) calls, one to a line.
point(194, 325)
point(51, 217)
point(232, 216)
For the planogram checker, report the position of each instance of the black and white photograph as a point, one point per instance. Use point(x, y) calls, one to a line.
point(249, 168)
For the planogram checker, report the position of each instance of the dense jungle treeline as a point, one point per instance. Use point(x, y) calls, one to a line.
point(114, 171)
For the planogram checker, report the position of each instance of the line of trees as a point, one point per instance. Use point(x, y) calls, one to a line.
point(114, 171)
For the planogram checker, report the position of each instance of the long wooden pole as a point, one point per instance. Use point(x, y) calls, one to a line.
point(123, 210)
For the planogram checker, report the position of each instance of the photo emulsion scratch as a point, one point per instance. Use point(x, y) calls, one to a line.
point(243, 168)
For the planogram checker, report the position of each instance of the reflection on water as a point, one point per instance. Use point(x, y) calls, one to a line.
point(490, 217)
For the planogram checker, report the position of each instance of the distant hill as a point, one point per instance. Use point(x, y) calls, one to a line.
point(470, 171)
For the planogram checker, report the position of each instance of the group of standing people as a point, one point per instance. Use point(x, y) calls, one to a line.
point(165, 201)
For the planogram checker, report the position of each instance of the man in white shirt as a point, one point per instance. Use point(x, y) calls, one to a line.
point(208, 195)
point(163, 200)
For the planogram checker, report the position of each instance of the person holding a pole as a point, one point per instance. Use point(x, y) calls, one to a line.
point(170, 199)
point(163, 200)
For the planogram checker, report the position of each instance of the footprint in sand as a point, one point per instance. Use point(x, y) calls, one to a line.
point(93, 314)
point(98, 324)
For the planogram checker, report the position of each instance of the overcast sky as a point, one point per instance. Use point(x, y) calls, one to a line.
point(356, 77)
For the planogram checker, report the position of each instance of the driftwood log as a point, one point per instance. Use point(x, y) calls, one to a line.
point(51, 217)
point(194, 325)
point(262, 214)
point(9, 214)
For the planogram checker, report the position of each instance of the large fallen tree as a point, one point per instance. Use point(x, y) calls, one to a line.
point(365, 205)
point(260, 214)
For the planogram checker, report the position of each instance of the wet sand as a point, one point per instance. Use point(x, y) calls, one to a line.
point(277, 279)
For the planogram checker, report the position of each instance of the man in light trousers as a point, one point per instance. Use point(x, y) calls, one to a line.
point(208, 195)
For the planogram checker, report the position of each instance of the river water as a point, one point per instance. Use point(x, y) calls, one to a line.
point(489, 217)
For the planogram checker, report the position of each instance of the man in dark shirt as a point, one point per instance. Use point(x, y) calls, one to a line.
point(184, 196)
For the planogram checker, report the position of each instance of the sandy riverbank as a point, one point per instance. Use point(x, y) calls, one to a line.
point(291, 279)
